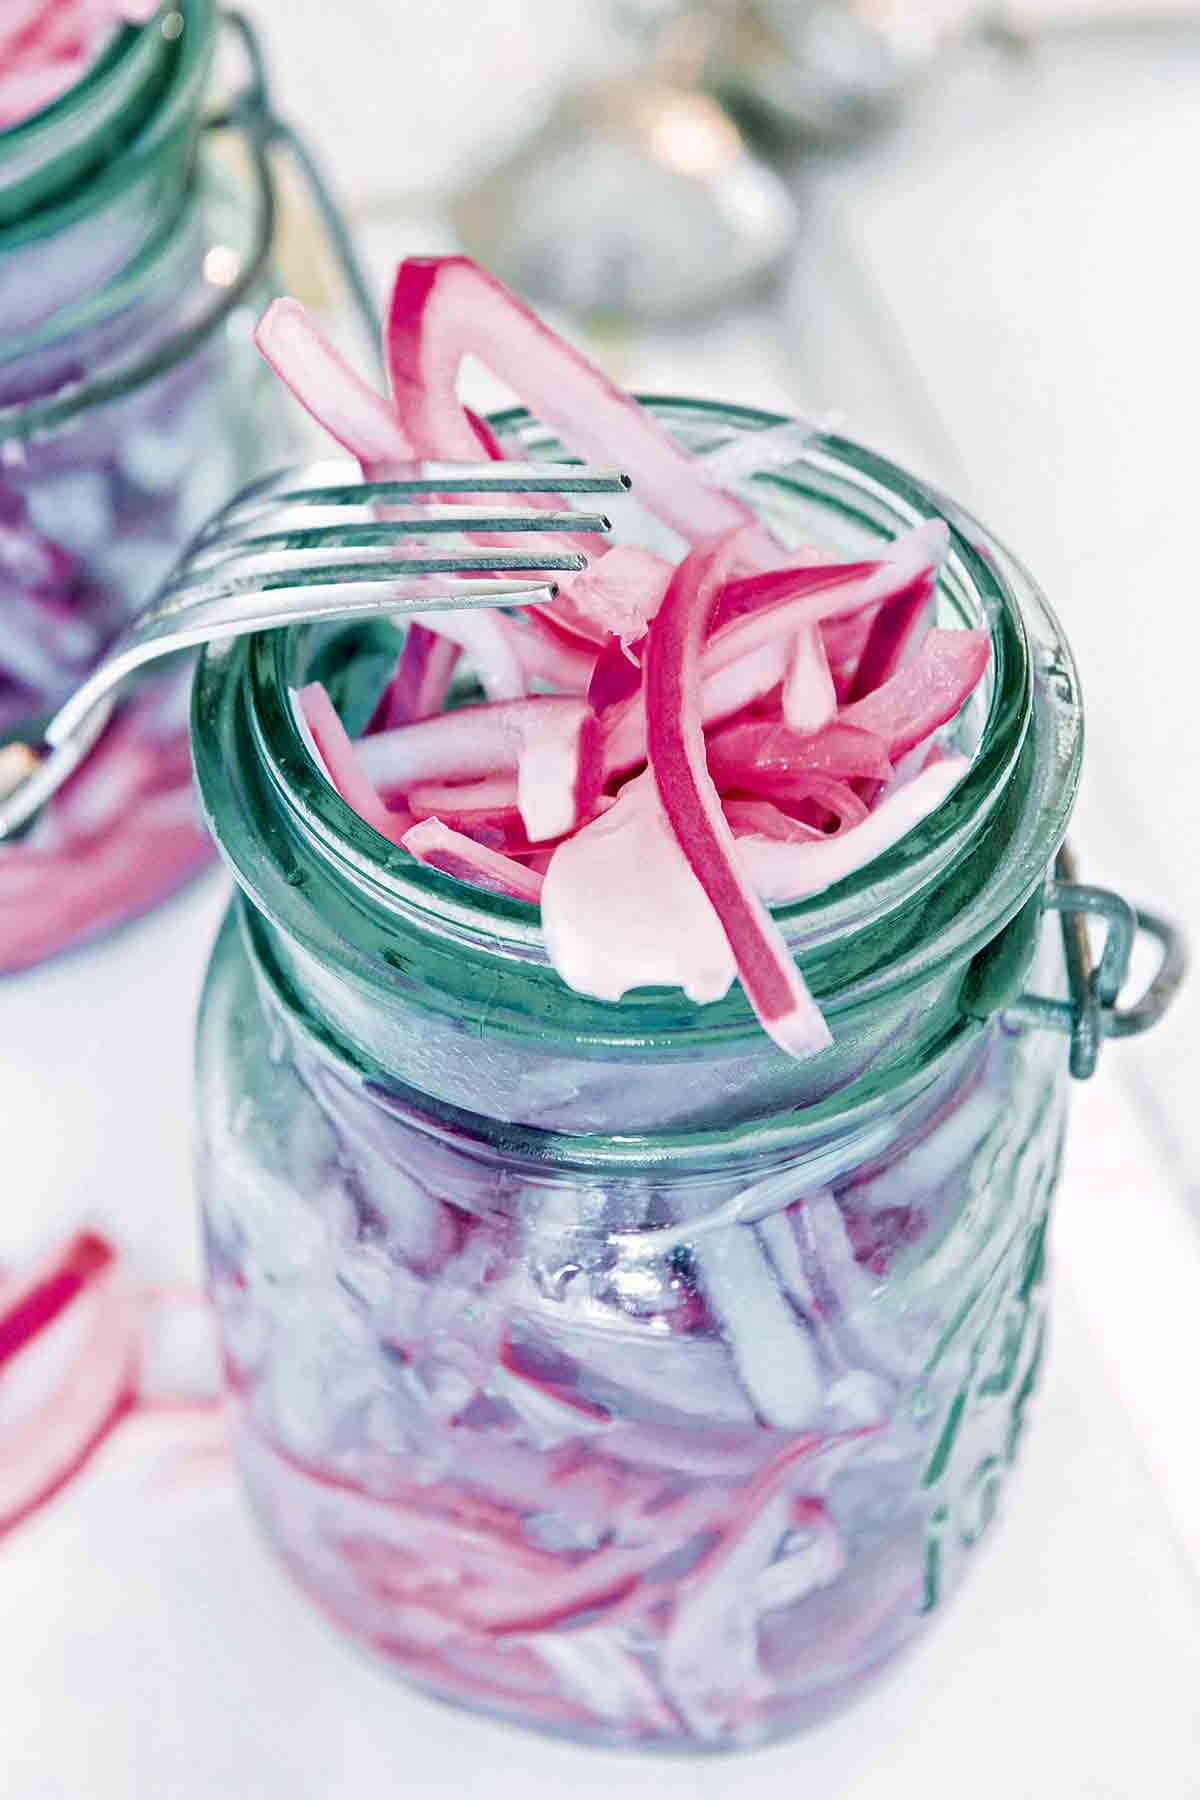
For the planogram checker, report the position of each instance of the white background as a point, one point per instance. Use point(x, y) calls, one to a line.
point(1003, 293)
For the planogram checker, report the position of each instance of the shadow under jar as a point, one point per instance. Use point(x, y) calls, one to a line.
point(596, 1364)
point(132, 404)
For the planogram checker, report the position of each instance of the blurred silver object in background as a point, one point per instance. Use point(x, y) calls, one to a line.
point(639, 196)
point(822, 69)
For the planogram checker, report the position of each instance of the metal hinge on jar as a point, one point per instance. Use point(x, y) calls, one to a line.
point(1092, 1011)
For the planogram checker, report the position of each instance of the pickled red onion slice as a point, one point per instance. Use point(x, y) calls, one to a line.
point(759, 452)
point(809, 696)
point(559, 772)
point(456, 746)
point(925, 693)
point(622, 590)
point(622, 909)
point(552, 742)
point(675, 741)
point(447, 308)
point(484, 810)
point(894, 634)
point(46, 1446)
point(616, 676)
point(751, 753)
point(781, 872)
point(481, 633)
point(725, 692)
point(439, 847)
point(328, 388)
point(85, 1384)
point(762, 818)
point(494, 794)
point(30, 1303)
point(750, 593)
point(420, 681)
point(790, 599)
point(810, 790)
point(337, 758)
point(547, 654)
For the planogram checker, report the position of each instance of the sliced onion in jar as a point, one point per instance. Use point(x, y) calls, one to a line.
point(675, 741)
point(782, 872)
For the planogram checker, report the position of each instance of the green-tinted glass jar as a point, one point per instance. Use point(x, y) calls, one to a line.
point(131, 404)
point(597, 1364)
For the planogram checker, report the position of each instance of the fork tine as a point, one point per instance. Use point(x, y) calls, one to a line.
point(336, 485)
point(313, 527)
point(339, 484)
point(245, 574)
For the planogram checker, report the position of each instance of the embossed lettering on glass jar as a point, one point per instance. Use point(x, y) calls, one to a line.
point(131, 405)
point(598, 1365)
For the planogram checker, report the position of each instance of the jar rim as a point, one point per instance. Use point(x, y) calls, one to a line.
point(137, 94)
point(80, 93)
point(840, 936)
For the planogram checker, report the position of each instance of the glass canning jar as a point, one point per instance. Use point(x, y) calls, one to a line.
point(596, 1364)
point(132, 403)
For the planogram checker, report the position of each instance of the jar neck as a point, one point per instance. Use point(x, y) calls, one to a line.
point(715, 1156)
point(91, 193)
point(450, 992)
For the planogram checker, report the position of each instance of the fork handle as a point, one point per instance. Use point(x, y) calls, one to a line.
point(209, 621)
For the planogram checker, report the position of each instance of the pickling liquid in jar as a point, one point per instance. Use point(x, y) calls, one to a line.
point(598, 1365)
point(131, 406)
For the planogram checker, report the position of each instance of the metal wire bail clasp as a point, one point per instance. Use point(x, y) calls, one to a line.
point(1091, 1013)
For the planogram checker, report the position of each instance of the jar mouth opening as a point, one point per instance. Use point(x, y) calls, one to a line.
point(842, 934)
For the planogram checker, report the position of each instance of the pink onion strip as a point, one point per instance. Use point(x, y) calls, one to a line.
point(29, 1304)
point(675, 740)
point(552, 742)
point(782, 872)
point(446, 308)
point(622, 909)
point(340, 763)
point(744, 754)
point(616, 677)
point(328, 388)
point(893, 635)
point(809, 696)
point(761, 818)
point(925, 693)
point(420, 682)
point(825, 792)
point(40, 1454)
point(439, 847)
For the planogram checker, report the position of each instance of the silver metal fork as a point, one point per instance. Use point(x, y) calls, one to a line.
point(319, 543)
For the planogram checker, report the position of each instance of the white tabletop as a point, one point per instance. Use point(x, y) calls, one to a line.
point(149, 1649)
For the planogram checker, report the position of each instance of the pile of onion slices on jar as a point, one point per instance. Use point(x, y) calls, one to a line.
point(668, 748)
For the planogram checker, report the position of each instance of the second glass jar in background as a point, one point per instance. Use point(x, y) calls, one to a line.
point(132, 404)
